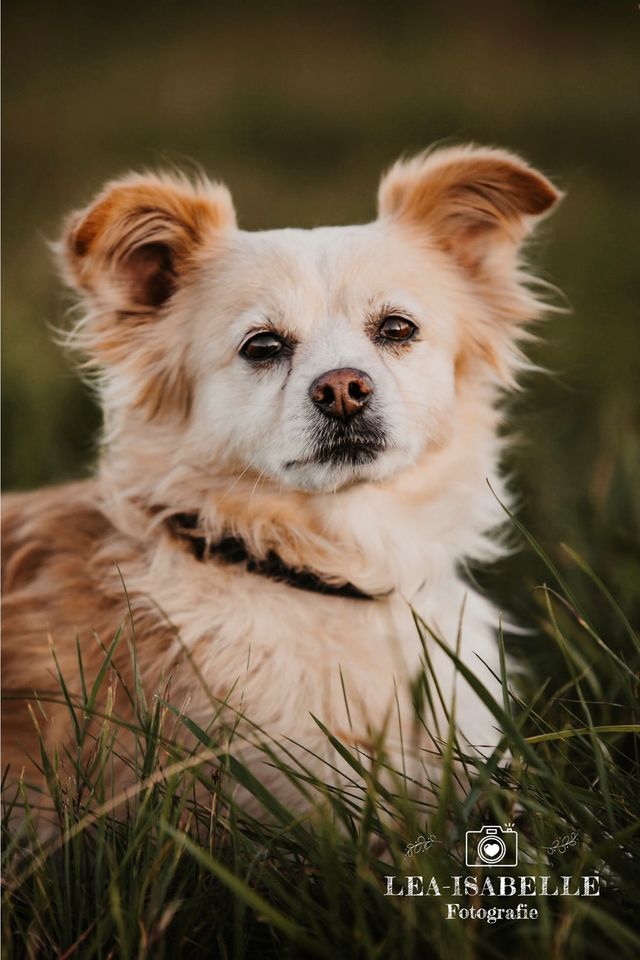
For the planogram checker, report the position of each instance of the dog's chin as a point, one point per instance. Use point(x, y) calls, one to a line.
point(340, 468)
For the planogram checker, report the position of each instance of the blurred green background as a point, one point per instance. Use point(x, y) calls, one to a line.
point(298, 107)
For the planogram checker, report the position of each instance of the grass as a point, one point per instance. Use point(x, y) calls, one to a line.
point(175, 867)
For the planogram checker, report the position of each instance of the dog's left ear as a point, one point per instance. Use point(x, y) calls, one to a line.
point(472, 202)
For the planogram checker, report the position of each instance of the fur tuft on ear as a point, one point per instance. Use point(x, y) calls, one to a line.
point(469, 199)
point(129, 248)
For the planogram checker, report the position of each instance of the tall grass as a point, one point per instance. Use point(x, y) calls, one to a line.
point(174, 865)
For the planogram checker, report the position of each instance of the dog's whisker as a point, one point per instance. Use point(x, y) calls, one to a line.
point(255, 486)
point(248, 467)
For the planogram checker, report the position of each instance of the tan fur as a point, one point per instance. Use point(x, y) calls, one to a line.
point(60, 585)
point(171, 290)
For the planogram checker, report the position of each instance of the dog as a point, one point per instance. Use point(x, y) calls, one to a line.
point(301, 449)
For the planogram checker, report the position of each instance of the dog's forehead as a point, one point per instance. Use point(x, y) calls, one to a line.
point(325, 264)
point(307, 281)
point(321, 248)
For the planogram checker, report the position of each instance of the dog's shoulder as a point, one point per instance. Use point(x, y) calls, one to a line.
point(62, 523)
point(64, 568)
point(67, 577)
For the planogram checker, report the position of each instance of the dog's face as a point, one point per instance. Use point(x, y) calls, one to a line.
point(323, 357)
point(315, 358)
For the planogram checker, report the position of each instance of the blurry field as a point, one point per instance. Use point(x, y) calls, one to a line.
point(298, 107)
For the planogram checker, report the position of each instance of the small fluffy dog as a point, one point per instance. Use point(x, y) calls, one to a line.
point(299, 427)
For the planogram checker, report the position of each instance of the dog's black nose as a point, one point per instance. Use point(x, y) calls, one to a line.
point(341, 393)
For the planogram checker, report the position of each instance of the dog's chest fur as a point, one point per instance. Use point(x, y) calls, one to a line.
point(283, 655)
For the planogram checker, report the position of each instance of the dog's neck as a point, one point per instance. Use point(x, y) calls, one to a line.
point(187, 529)
point(377, 537)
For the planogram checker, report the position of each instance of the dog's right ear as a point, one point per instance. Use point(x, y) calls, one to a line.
point(475, 203)
point(129, 250)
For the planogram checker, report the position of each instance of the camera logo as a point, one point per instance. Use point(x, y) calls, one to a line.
point(492, 847)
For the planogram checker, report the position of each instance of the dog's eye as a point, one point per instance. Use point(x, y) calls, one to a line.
point(396, 328)
point(263, 346)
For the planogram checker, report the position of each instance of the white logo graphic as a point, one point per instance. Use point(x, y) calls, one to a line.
point(492, 847)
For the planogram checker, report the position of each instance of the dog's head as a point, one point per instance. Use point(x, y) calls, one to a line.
point(318, 358)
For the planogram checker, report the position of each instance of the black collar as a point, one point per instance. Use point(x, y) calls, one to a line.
point(233, 551)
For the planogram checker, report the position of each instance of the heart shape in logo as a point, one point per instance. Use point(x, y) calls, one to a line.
point(491, 850)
